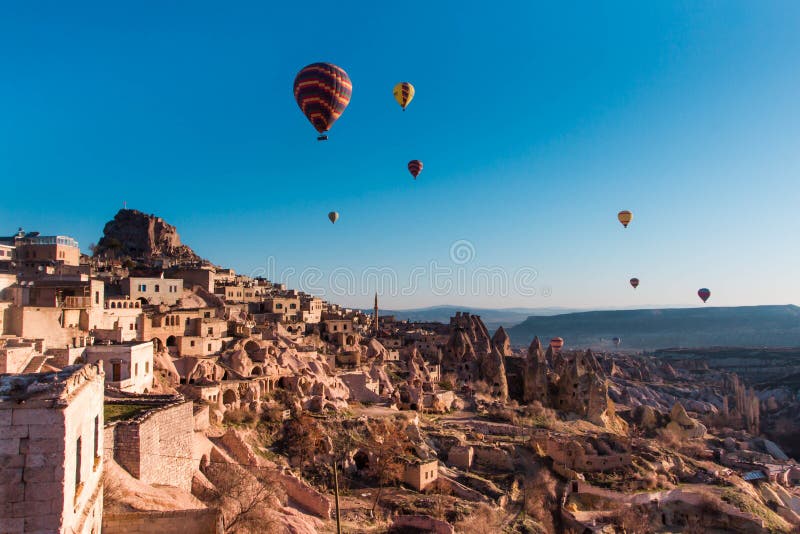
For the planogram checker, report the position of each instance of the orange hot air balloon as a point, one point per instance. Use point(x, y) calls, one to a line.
point(625, 217)
point(635, 282)
point(333, 217)
point(415, 167)
point(322, 91)
point(557, 343)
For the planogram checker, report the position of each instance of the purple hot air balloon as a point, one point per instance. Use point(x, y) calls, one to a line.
point(703, 293)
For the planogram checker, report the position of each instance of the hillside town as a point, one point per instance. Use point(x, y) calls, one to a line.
point(146, 389)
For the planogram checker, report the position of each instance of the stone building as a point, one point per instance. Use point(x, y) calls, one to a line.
point(128, 366)
point(421, 474)
point(117, 321)
point(51, 446)
point(153, 290)
point(155, 446)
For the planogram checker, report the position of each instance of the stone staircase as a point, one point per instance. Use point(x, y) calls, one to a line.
point(36, 363)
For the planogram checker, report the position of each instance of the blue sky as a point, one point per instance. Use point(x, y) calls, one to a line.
point(536, 124)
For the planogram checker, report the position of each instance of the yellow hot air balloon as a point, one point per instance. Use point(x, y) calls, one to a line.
point(403, 92)
point(625, 217)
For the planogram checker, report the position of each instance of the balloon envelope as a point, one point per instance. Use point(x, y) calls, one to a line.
point(333, 216)
point(557, 343)
point(415, 167)
point(322, 90)
point(616, 341)
point(625, 217)
point(704, 294)
point(404, 93)
point(635, 282)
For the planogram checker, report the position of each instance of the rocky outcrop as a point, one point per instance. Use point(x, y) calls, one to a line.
point(502, 342)
point(683, 426)
point(493, 372)
point(137, 235)
point(535, 379)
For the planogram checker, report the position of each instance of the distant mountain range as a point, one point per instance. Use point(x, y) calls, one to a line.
point(745, 326)
point(492, 318)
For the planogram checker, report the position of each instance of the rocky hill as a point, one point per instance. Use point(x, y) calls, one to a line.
point(746, 326)
point(140, 236)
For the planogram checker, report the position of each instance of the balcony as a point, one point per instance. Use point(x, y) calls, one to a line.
point(77, 302)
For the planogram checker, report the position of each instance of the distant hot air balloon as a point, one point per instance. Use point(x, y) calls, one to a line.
point(557, 343)
point(625, 217)
point(635, 282)
point(404, 93)
point(322, 91)
point(703, 293)
point(333, 216)
point(415, 167)
point(616, 341)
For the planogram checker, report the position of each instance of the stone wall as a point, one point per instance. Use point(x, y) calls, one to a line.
point(422, 523)
point(201, 521)
point(460, 456)
point(156, 447)
point(51, 452)
point(14, 359)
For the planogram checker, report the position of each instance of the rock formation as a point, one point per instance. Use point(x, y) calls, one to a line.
point(137, 235)
point(501, 340)
point(535, 380)
point(683, 426)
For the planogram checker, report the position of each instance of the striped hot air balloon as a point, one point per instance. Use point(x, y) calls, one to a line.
point(704, 294)
point(322, 91)
point(404, 93)
point(625, 217)
point(557, 343)
point(415, 167)
point(635, 282)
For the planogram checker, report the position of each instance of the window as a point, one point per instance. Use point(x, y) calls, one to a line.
point(209, 347)
point(146, 367)
point(293, 306)
point(210, 330)
point(96, 439)
point(77, 465)
point(97, 297)
point(131, 326)
point(136, 370)
point(206, 315)
point(157, 288)
point(191, 343)
point(142, 287)
point(278, 306)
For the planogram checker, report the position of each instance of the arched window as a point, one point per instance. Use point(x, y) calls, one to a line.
point(113, 304)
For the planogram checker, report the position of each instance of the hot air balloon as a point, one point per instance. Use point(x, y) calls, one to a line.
point(333, 216)
point(556, 343)
point(616, 341)
point(635, 282)
point(404, 93)
point(415, 167)
point(625, 217)
point(703, 293)
point(322, 91)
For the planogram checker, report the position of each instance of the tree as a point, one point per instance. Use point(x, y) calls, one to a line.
point(302, 438)
point(245, 498)
point(387, 445)
point(539, 496)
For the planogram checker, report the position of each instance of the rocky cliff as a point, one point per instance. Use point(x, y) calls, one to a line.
point(138, 235)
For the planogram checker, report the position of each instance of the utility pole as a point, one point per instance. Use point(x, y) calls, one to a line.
point(336, 494)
